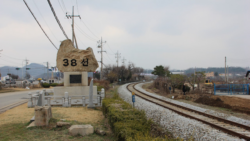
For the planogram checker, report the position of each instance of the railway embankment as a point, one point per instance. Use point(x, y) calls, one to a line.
point(174, 121)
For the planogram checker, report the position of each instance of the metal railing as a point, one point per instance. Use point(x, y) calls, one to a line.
point(231, 89)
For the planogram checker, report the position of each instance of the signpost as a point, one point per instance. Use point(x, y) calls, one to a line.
point(133, 99)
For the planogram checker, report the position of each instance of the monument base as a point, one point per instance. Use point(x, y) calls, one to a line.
point(75, 91)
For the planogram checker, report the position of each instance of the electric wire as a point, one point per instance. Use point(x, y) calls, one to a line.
point(83, 22)
point(84, 33)
point(64, 6)
point(61, 6)
point(110, 48)
point(53, 11)
point(12, 57)
point(110, 58)
point(44, 19)
point(39, 24)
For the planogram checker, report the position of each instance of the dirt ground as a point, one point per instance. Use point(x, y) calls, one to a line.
point(231, 105)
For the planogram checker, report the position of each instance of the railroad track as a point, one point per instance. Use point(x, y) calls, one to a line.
point(227, 126)
point(13, 105)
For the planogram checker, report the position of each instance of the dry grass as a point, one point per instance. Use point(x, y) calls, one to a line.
point(22, 114)
point(6, 90)
point(80, 114)
point(14, 121)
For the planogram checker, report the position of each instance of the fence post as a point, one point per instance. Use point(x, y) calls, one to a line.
point(214, 89)
point(248, 89)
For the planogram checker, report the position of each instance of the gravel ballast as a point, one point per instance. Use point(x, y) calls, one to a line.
point(211, 112)
point(178, 125)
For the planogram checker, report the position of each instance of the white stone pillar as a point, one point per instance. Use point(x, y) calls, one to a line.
point(83, 101)
point(90, 104)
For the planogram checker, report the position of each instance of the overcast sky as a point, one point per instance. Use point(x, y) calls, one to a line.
point(180, 34)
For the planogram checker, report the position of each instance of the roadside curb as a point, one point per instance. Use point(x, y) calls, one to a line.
point(2, 110)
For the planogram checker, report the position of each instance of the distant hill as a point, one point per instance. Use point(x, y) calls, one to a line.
point(219, 70)
point(35, 70)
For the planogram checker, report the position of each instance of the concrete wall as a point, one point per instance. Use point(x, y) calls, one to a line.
point(74, 91)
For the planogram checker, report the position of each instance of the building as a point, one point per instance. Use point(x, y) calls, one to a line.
point(209, 74)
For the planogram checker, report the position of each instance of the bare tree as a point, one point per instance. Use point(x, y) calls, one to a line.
point(13, 76)
point(199, 78)
point(191, 79)
point(177, 79)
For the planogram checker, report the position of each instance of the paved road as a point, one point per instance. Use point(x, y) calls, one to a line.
point(13, 97)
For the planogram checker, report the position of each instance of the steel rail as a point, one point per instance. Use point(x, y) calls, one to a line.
point(192, 117)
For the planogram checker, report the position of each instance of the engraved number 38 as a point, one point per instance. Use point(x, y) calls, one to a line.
point(66, 62)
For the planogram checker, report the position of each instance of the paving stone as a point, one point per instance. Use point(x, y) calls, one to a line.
point(81, 129)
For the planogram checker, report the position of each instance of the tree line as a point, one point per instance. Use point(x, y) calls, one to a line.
point(114, 73)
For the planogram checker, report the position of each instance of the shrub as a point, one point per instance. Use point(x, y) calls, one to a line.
point(60, 84)
point(54, 84)
point(126, 122)
point(46, 85)
point(103, 83)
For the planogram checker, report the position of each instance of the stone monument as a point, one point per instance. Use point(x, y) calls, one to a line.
point(75, 64)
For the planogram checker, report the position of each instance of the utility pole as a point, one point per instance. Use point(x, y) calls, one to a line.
point(117, 56)
point(26, 62)
point(225, 68)
point(227, 73)
point(73, 32)
point(100, 46)
point(123, 61)
point(47, 70)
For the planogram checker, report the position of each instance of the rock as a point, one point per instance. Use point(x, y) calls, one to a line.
point(62, 119)
point(81, 129)
point(70, 59)
point(100, 132)
point(61, 124)
point(42, 115)
point(32, 124)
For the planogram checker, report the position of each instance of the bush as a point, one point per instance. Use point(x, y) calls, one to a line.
point(103, 83)
point(126, 122)
point(54, 84)
point(46, 85)
point(99, 88)
point(60, 84)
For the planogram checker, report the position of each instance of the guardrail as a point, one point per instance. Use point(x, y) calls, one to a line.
point(66, 100)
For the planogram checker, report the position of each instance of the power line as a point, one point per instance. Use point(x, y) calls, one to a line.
point(9, 61)
point(83, 22)
point(61, 6)
point(52, 9)
point(64, 6)
point(39, 24)
point(11, 57)
point(110, 48)
point(44, 19)
point(84, 33)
